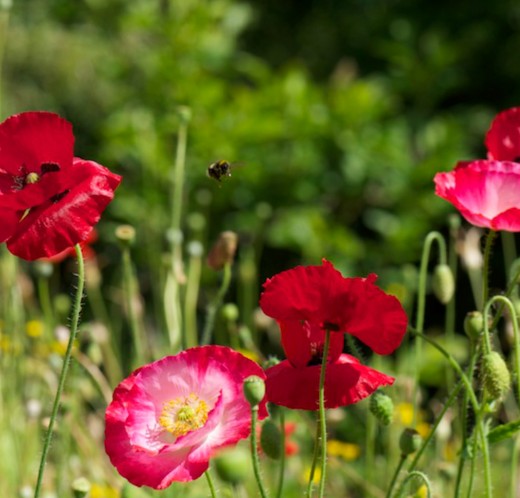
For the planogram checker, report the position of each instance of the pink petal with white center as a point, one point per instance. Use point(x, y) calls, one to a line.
point(487, 193)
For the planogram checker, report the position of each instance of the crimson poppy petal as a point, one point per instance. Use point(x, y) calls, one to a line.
point(346, 382)
point(303, 343)
point(65, 221)
point(374, 317)
point(503, 136)
point(301, 293)
point(30, 139)
point(9, 223)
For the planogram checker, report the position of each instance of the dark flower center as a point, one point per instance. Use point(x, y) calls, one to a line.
point(333, 327)
point(58, 197)
point(49, 168)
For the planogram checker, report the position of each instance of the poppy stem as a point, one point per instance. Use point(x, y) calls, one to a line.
point(421, 303)
point(254, 451)
point(281, 475)
point(323, 422)
point(210, 484)
point(64, 369)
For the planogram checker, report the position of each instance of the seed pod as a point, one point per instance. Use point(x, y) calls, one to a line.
point(410, 441)
point(80, 487)
point(232, 466)
point(254, 390)
point(474, 324)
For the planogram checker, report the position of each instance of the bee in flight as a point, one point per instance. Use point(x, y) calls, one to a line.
point(218, 169)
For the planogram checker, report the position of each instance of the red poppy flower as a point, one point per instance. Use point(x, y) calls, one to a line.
point(294, 382)
point(486, 193)
point(503, 136)
point(49, 199)
point(321, 296)
point(171, 416)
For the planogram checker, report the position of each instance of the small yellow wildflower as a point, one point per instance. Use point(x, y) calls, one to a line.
point(422, 492)
point(103, 491)
point(251, 355)
point(405, 413)
point(347, 451)
point(423, 429)
point(34, 328)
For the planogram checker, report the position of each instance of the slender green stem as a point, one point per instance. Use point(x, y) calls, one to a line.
point(453, 396)
point(464, 410)
point(189, 338)
point(469, 493)
point(509, 249)
point(323, 422)
point(410, 476)
point(66, 360)
point(421, 303)
point(210, 484)
point(254, 451)
point(130, 290)
point(315, 455)
point(281, 467)
point(396, 475)
point(514, 466)
point(485, 269)
point(215, 305)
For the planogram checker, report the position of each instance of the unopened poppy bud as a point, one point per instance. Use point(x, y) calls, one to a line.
point(80, 487)
point(496, 376)
point(223, 252)
point(271, 439)
point(474, 324)
point(382, 407)
point(125, 234)
point(410, 441)
point(443, 283)
point(184, 113)
point(271, 362)
point(232, 466)
point(254, 390)
point(230, 312)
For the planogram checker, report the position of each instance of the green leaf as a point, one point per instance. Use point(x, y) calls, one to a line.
point(504, 431)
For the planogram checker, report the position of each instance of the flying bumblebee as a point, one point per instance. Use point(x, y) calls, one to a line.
point(219, 169)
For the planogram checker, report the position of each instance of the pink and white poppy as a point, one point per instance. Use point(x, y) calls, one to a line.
point(168, 418)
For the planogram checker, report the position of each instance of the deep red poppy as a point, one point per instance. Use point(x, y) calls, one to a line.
point(49, 199)
point(294, 382)
point(322, 296)
point(503, 136)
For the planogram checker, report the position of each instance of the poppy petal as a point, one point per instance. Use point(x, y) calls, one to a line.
point(503, 137)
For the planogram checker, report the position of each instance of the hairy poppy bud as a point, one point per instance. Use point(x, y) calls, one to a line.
point(443, 283)
point(80, 487)
point(382, 407)
point(270, 440)
point(410, 441)
point(254, 390)
point(223, 252)
point(496, 376)
point(474, 324)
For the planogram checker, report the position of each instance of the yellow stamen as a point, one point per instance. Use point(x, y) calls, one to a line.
point(185, 414)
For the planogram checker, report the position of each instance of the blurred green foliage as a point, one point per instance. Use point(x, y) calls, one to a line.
point(338, 113)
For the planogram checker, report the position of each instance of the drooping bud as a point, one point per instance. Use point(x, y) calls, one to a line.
point(495, 375)
point(230, 312)
point(80, 487)
point(474, 324)
point(270, 440)
point(443, 283)
point(382, 407)
point(254, 390)
point(223, 251)
point(410, 441)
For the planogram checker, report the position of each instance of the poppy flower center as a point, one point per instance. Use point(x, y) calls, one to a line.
point(32, 178)
point(184, 414)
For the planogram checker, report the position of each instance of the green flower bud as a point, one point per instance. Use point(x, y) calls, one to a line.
point(270, 440)
point(496, 376)
point(230, 312)
point(474, 325)
point(80, 487)
point(271, 362)
point(410, 441)
point(443, 283)
point(254, 390)
point(382, 407)
point(232, 466)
